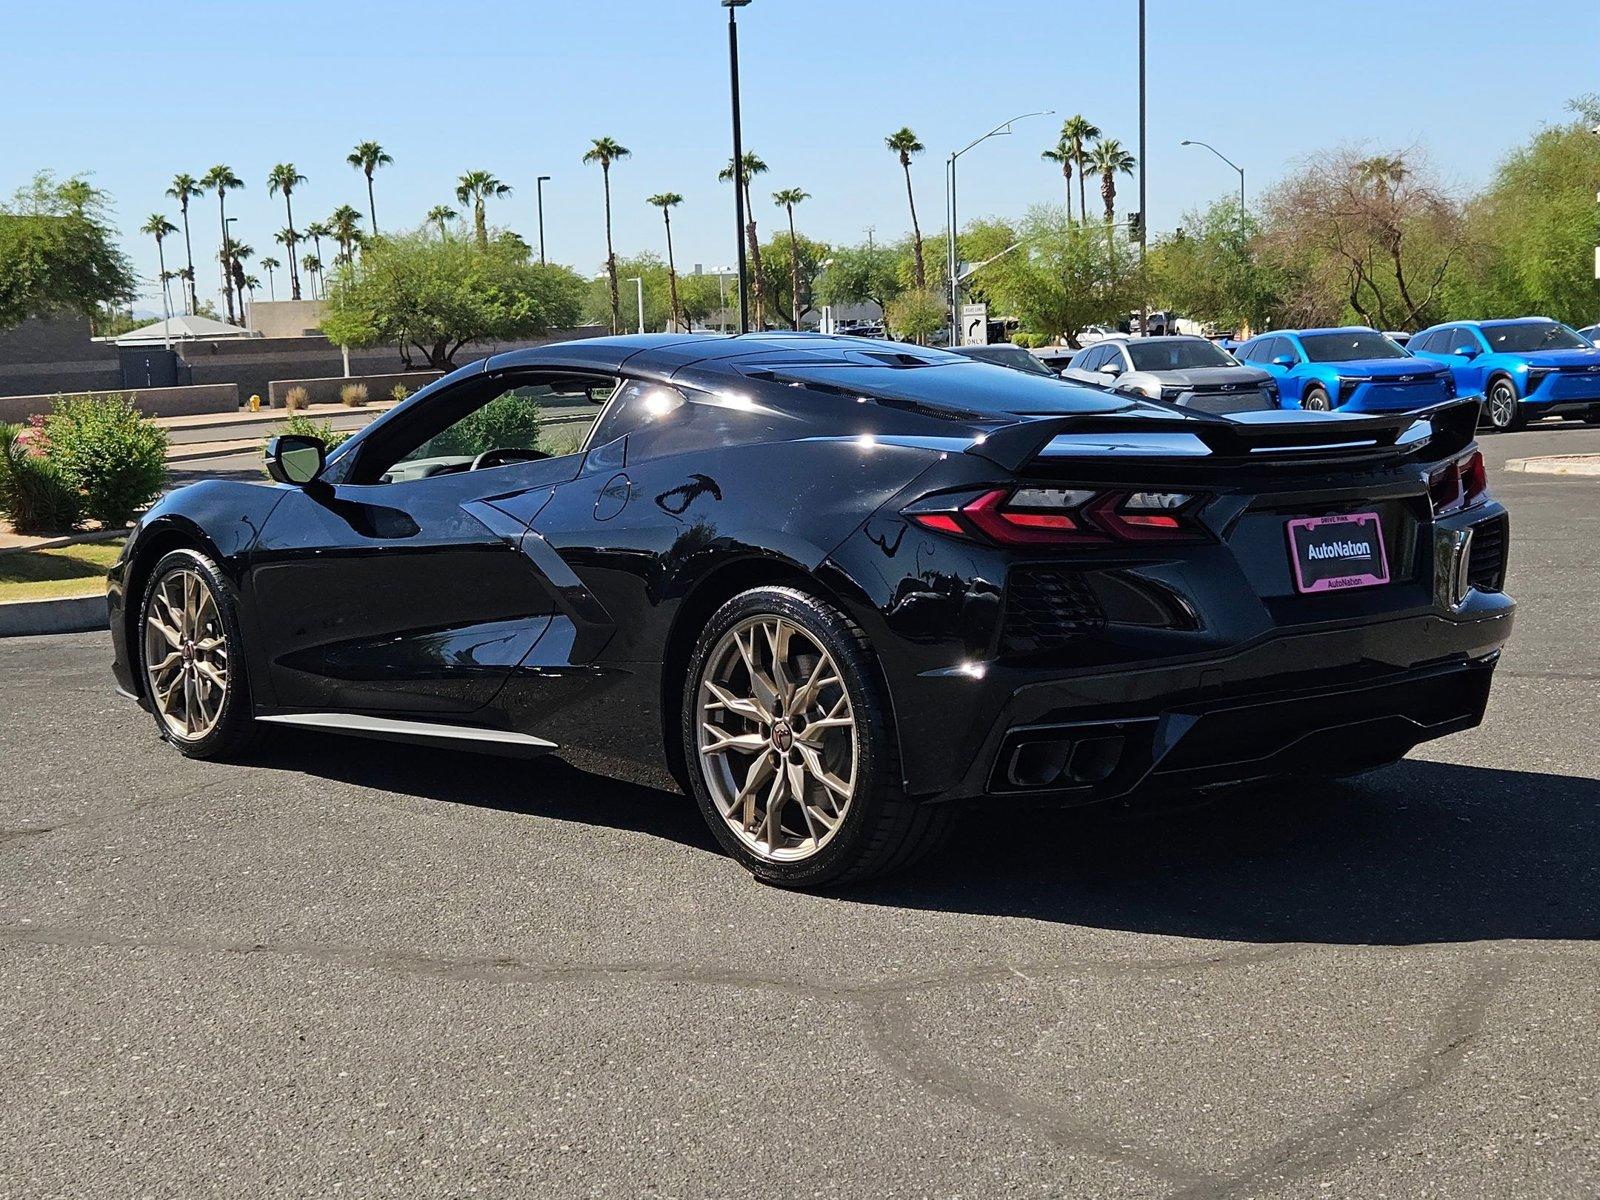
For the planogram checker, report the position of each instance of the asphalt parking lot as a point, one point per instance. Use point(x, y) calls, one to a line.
point(361, 969)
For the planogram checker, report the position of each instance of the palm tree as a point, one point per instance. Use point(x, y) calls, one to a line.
point(905, 144)
point(316, 231)
point(474, 188)
point(284, 178)
point(606, 151)
point(158, 227)
point(184, 188)
point(311, 264)
point(289, 239)
point(251, 283)
point(786, 200)
point(1061, 155)
point(1383, 172)
point(221, 180)
point(665, 202)
point(238, 254)
point(368, 157)
point(345, 228)
point(269, 265)
point(750, 167)
point(1109, 160)
point(1077, 133)
point(441, 215)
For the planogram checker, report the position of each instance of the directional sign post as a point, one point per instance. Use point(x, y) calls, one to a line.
point(974, 324)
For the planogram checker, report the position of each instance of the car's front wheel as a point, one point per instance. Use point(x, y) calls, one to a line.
point(791, 757)
point(190, 656)
point(1501, 408)
point(1316, 400)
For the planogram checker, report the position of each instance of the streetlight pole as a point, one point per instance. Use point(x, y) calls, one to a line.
point(1243, 236)
point(733, 6)
point(539, 187)
point(1144, 205)
point(639, 283)
point(950, 213)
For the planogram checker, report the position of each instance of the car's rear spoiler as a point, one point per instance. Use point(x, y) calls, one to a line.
point(1453, 426)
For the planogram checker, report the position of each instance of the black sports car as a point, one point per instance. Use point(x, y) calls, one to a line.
point(835, 586)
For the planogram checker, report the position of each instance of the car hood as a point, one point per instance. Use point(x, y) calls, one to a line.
point(1210, 376)
point(1560, 358)
point(1385, 368)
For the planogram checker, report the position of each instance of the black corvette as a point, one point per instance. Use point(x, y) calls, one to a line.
point(835, 586)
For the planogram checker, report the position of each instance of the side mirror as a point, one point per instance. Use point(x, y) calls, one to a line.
point(1465, 352)
point(293, 458)
point(1112, 369)
point(1283, 360)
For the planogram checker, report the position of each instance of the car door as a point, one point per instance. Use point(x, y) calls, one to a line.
point(403, 587)
point(1465, 358)
point(1268, 352)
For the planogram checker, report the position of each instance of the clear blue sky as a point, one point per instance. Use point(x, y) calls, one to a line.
point(135, 93)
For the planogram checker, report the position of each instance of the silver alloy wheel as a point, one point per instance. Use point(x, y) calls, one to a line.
point(1318, 402)
point(186, 655)
point(1502, 404)
point(777, 738)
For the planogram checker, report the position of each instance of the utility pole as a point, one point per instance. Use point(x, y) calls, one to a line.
point(733, 6)
point(1144, 200)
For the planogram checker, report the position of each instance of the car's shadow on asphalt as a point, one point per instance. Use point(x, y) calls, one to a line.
point(1422, 852)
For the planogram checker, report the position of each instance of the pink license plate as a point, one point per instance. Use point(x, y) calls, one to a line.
point(1334, 553)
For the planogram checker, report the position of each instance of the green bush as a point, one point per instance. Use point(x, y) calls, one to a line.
point(110, 451)
point(507, 421)
point(1029, 341)
point(399, 392)
point(33, 494)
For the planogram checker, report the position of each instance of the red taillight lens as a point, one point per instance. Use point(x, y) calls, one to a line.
point(1458, 484)
point(1474, 478)
point(1066, 517)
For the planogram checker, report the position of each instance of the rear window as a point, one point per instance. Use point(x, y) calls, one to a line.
point(957, 385)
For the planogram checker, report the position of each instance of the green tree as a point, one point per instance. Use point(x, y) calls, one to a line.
point(57, 253)
point(284, 178)
point(648, 267)
point(666, 201)
point(185, 188)
point(864, 274)
point(474, 188)
point(1058, 280)
point(441, 215)
point(344, 226)
point(1208, 270)
point(793, 267)
point(1076, 133)
point(221, 180)
point(367, 157)
point(289, 239)
point(311, 264)
point(749, 168)
point(316, 231)
point(1061, 155)
point(917, 314)
point(904, 144)
point(1108, 159)
point(416, 291)
point(786, 200)
point(269, 264)
point(605, 151)
point(158, 227)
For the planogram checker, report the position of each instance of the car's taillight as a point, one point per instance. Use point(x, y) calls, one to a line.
point(1034, 516)
point(1458, 484)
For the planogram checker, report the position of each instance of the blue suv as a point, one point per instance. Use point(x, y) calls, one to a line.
point(1353, 369)
point(1526, 368)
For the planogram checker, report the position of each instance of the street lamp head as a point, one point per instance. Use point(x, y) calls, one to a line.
point(1186, 142)
point(544, 179)
point(734, 3)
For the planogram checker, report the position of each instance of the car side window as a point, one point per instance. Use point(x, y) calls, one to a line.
point(1463, 338)
point(1090, 359)
point(633, 405)
point(1423, 341)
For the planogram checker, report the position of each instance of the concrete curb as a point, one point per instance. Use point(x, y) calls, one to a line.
point(1557, 464)
point(71, 539)
point(73, 614)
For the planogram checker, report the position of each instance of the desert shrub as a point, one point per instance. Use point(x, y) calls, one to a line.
point(1029, 341)
point(111, 452)
point(506, 421)
point(33, 493)
point(353, 395)
point(296, 398)
point(399, 392)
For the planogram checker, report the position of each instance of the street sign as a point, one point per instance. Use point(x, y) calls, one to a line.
point(974, 324)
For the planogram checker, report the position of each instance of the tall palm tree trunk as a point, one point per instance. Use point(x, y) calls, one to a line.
point(294, 271)
point(611, 256)
point(1083, 203)
point(478, 225)
point(794, 269)
point(372, 205)
point(916, 230)
point(188, 250)
point(1108, 193)
point(166, 287)
point(1066, 170)
point(672, 273)
point(227, 256)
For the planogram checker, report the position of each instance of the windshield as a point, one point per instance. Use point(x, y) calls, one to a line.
point(1349, 347)
point(1532, 335)
point(1010, 356)
point(1178, 356)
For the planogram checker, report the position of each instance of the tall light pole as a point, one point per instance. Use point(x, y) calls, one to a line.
point(1231, 163)
point(733, 6)
point(539, 187)
point(639, 283)
point(1144, 199)
point(227, 265)
point(950, 212)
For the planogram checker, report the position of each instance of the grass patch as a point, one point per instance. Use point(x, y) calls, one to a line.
point(76, 570)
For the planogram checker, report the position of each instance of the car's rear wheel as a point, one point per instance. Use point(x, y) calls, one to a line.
point(1316, 399)
point(189, 654)
point(788, 740)
point(1501, 408)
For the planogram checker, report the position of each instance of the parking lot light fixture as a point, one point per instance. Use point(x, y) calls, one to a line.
point(539, 187)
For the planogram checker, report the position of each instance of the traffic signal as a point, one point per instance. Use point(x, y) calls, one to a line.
point(1136, 227)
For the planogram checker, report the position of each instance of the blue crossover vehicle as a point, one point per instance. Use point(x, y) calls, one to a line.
point(1353, 370)
point(1525, 368)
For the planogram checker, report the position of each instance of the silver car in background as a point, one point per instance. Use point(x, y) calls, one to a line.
point(1188, 371)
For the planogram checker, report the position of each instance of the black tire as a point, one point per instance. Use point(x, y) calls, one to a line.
point(881, 830)
point(1592, 417)
point(1315, 399)
point(235, 730)
point(1503, 412)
